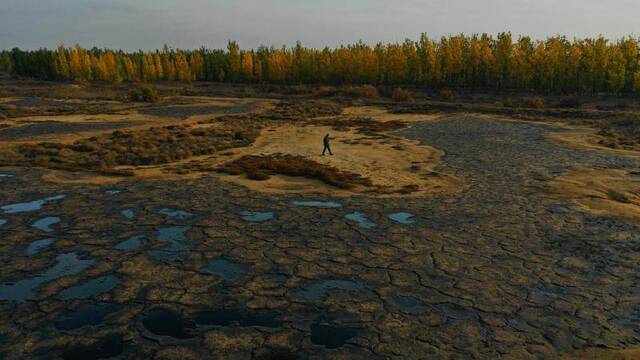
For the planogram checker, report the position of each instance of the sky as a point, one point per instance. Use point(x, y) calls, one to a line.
point(149, 24)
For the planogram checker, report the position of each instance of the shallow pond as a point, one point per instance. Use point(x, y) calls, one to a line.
point(45, 224)
point(174, 236)
point(67, 264)
point(225, 268)
point(253, 216)
point(91, 288)
point(176, 214)
point(128, 214)
point(319, 290)
point(404, 218)
point(37, 246)
point(318, 204)
point(88, 315)
point(113, 192)
point(29, 206)
point(133, 243)
point(361, 219)
point(6, 175)
point(164, 322)
point(229, 317)
point(3, 221)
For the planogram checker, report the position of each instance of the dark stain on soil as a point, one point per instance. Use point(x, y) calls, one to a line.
point(187, 111)
point(57, 128)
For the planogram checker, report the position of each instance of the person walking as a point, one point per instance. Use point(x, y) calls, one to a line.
point(327, 145)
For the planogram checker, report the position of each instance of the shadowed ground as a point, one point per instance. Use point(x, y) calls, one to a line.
point(496, 270)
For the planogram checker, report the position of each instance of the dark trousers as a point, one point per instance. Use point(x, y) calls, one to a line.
point(327, 147)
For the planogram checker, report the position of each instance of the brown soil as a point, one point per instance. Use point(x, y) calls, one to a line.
point(603, 354)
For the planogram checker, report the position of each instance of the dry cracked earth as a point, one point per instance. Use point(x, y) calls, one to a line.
point(207, 269)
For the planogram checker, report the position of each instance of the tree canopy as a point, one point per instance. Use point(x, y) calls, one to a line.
point(476, 62)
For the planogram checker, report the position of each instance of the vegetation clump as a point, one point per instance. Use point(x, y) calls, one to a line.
point(363, 125)
point(402, 95)
point(620, 133)
point(262, 167)
point(446, 95)
point(144, 94)
point(158, 145)
point(292, 111)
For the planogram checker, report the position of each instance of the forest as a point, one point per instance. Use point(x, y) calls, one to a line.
point(470, 63)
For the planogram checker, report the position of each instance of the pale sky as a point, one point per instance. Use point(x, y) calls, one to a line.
point(149, 24)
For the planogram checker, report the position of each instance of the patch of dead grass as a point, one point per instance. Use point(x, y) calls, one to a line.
point(604, 192)
point(156, 145)
point(362, 125)
point(262, 167)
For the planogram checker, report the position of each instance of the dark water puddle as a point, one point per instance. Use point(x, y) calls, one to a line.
point(133, 243)
point(113, 192)
point(331, 336)
point(227, 269)
point(404, 218)
point(361, 219)
point(176, 214)
point(108, 347)
point(319, 290)
point(164, 322)
point(89, 315)
point(45, 224)
point(253, 216)
point(30, 206)
point(175, 237)
point(6, 175)
point(91, 288)
point(318, 204)
point(37, 246)
point(3, 221)
point(128, 214)
point(68, 264)
point(242, 318)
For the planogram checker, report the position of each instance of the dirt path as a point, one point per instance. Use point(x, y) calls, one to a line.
point(498, 270)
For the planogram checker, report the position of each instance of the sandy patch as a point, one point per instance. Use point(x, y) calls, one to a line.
point(60, 177)
point(604, 192)
point(391, 163)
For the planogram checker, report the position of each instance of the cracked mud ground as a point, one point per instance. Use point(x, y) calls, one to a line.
point(499, 270)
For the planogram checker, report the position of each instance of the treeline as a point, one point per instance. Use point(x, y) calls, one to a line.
point(477, 62)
